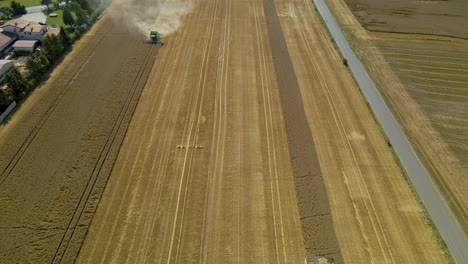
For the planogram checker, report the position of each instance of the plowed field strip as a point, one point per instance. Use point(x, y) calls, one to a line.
point(423, 51)
point(424, 89)
point(424, 77)
point(432, 68)
point(426, 62)
point(442, 88)
point(465, 60)
point(429, 72)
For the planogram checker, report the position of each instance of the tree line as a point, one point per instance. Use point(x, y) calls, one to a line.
point(15, 9)
point(19, 85)
point(52, 49)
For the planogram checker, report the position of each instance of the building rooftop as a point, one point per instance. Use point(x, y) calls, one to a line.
point(52, 31)
point(6, 37)
point(25, 44)
point(18, 22)
point(5, 64)
point(33, 28)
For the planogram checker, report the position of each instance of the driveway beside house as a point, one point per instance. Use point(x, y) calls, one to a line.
point(36, 16)
point(40, 8)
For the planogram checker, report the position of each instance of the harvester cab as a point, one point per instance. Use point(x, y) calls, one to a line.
point(154, 38)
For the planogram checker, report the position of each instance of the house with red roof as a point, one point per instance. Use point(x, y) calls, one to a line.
point(27, 30)
point(52, 31)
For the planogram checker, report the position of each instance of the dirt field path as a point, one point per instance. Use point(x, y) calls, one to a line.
point(57, 151)
point(204, 174)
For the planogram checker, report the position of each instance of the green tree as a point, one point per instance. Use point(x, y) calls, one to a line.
point(4, 102)
point(84, 4)
point(37, 64)
point(7, 11)
point(67, 17)
point(52, 47)
point(73, 6)
point(65, 38)
point(78, 31)
point(18, 8)
point(81, 16)
point(16, 83)
point(345, 62)
point(46, 3)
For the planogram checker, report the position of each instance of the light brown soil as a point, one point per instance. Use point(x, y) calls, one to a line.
point(423, 81)
point(447, 18)
point(58, 149)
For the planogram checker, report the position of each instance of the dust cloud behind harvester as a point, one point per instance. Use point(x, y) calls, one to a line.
point(164, 16)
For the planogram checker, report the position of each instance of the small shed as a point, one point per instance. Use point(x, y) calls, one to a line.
point(5, 67)
point(24, 45)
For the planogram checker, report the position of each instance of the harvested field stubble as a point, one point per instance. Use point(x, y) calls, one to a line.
point(232, 198)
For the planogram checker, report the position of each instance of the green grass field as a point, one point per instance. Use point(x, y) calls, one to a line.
point(58, 20)
point(26, 3)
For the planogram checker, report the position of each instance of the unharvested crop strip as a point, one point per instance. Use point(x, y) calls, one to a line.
point(114, 140)
point(30, 138)
point(317, 226)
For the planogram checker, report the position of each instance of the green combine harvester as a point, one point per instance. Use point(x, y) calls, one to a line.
point(154, 38)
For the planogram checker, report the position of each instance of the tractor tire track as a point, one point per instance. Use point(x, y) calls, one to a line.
point(30, 138)
point(103, 167)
